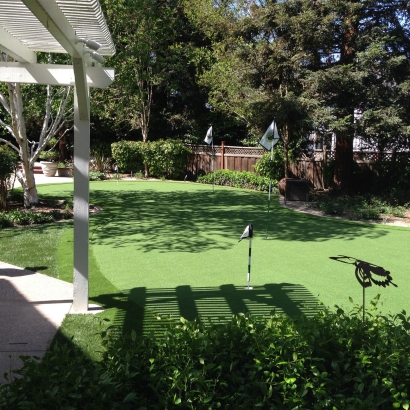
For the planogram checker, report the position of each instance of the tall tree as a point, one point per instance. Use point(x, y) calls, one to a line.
point(260, 55)
point(362, 83)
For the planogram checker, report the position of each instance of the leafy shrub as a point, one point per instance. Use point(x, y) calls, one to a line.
point(8, 164)
point(237, 179)
point(4, 221)
point(272, 169)
point(331, 360)
point(96, 175)
point(19, 217)
point(331, 207)
point(129, 155)
point(40, 218)
point(28, 217)
point(167, 158)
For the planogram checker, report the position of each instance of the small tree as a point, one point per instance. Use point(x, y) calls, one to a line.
point(29, 149)
point(8, 165)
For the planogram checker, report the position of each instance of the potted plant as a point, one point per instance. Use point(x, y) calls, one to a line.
point(65, 169)
point(48, 164)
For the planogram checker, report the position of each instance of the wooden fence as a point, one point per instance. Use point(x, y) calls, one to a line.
point(244, 159)
point(225, 157)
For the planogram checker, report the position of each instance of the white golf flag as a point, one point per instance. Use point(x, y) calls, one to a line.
point(208, 137)
point(247, 233)
point(271, 137)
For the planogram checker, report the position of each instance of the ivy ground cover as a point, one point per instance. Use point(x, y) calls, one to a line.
point(168, 249)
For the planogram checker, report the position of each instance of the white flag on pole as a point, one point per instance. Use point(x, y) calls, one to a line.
point(247, 233)
point(270, 138)
point(208, 137)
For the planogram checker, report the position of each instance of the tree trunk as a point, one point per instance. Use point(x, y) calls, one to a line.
point(343, 163)
point(344, 143)
point(28, 183)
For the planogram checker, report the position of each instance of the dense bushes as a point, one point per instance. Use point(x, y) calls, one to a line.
point(237, 179)
point(328, 361)
point(8, 164)
point(164, 158)
point(129, 155)
point(273, 169)
point(28, 217)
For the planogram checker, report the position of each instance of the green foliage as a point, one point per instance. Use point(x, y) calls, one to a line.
point(166, 158)
point(272, 169)
point(8, 161)
point(8, 164)
point(28, 217)
point(96, 175)
point(237, 179)
point(129, 155)
point(360, 206)
point(49, 155)
point(331, 360)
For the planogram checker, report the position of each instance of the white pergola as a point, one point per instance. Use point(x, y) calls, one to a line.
point(56, 26)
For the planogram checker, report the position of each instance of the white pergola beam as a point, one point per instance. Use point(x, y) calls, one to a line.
point(15, 48)
point(53, 74)
point(53, 19)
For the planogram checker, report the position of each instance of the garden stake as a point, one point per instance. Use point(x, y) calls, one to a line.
point(248, 233)
point(364, 271)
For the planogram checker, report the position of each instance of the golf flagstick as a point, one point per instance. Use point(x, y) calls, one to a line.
point(248, 233)
point(212, 167)
point(269, 194)
point(209, 140)
point(268, 141)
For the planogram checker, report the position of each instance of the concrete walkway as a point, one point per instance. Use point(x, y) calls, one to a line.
point(32, 308)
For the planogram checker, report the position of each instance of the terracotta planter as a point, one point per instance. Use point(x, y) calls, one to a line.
point(65, 172)
point(49, 168)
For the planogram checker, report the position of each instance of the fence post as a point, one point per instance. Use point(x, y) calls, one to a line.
point(223, 155)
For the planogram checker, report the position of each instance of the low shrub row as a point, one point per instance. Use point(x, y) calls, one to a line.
point(359, 206)
point(238, 179)
point(331, 360)
point(163, 158)
point(28, 217)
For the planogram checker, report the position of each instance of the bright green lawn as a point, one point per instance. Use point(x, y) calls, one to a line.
point(172, 248)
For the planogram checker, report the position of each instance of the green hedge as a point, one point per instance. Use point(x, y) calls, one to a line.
point(129, 155)
point(328, 361)
point(274, 168)
point(167, 158)
point(238, 179)
point(164, 158)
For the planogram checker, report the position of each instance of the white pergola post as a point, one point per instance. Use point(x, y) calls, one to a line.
point(81, 209)
point(59, 26)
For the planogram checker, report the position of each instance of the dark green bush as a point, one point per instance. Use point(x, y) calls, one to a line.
point(237, 179)
point(96, 175)
point(166, 158)
point(8, 164)
point(28, 217)
point(4, 221)
point(272, 169)
point(129, 155)
point(329, 361)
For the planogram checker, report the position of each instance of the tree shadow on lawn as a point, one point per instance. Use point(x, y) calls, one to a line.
point(198, 221)
point(150, 311)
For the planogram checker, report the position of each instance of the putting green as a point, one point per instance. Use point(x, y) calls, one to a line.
point(173, 248)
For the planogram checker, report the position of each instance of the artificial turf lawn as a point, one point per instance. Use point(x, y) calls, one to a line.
point(172, 248)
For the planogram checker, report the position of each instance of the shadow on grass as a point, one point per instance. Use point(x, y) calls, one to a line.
point(195, 221)
point(149, 310)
